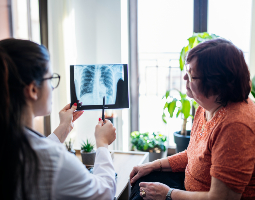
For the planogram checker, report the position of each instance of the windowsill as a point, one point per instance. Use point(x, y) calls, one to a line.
point(171, 150)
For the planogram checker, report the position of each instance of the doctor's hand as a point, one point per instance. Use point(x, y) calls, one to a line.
point(67, 116)
point(104, 133)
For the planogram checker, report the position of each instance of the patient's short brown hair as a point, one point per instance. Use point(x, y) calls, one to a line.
point(223, 70)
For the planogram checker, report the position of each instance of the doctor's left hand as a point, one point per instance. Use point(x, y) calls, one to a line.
point(67, 116)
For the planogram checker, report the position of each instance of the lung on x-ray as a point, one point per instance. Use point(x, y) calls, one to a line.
point(90, 83)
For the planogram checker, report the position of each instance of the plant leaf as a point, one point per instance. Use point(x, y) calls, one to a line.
point(164, 118)
point(182, 58)
point(214, 36)
point(145, 147)
point(186, 49)
point(179, 111)
point(167, 93)
point(186, 108)
point(195, 104)
point(182, 95)
point(87, 146)
point(171, 107)
point(191, 41)
point(253, 84)
point(253, 94)
point(196, 42)
point(166, 106)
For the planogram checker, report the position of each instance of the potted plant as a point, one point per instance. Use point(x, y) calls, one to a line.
point(153, 143)
point(182, 137)
point(88, 154)
point(69, 146)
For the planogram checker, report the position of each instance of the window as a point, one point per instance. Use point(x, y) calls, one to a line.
point(163, 29)
point(26, 25)
point(231, 19)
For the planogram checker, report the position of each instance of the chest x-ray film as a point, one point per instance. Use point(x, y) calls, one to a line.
point(90, 83)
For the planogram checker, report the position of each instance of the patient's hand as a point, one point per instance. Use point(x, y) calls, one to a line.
point(104, 133)
point(140, 171)
point(67, 116)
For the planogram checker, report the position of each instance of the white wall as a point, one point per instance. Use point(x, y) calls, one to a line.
point(108, 31)
point(94, 29)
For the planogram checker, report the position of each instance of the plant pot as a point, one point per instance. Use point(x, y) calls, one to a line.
point(182, 142)
point(88, 158)
point(154, 156)
point(72, 151)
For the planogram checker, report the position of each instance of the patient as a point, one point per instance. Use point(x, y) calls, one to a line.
point(219, 162)
point(32, 166)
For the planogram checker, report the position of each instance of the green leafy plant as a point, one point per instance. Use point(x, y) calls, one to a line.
point(154, 142)
point(87, 146)
point(183, 108)
point(194, 40)
point(185, 105)
point(253, 86)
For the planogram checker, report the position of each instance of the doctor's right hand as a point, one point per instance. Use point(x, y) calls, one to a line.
point(104, 133)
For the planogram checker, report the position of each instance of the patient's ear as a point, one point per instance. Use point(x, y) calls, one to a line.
point(31, 91)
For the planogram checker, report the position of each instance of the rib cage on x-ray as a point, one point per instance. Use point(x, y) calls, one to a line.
point(107, 76)
point(87, 78)
point(92, 82)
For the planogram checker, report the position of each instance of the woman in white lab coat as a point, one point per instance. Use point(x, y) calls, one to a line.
point(32, 166)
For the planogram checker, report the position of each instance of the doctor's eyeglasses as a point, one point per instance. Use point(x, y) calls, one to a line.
point(54, 80)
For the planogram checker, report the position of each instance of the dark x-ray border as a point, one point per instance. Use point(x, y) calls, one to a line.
point(122, 103)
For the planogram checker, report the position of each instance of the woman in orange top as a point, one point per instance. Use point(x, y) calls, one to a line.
point(219, 162)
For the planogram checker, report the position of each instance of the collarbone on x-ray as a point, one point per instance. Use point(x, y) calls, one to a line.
point(93, 82)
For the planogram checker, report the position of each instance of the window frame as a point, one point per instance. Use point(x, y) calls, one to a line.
point(199, 25)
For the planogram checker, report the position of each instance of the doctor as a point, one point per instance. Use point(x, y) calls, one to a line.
point(32, 166)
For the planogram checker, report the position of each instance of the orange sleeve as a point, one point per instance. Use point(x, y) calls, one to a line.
point(233, 156)
point(178, 162)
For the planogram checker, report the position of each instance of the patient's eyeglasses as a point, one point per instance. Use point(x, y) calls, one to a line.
point(54, 80)
point(187, 68)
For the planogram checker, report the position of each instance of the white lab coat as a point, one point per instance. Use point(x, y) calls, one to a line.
point(63, 176)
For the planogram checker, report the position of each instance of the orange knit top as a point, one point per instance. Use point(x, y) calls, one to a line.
point(225, 149)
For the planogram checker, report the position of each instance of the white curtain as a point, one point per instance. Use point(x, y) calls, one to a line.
point(82, 32)
point(62, 48)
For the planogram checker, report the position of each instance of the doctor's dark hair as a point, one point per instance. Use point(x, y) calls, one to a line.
point(21, 63)
point(223, 71)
